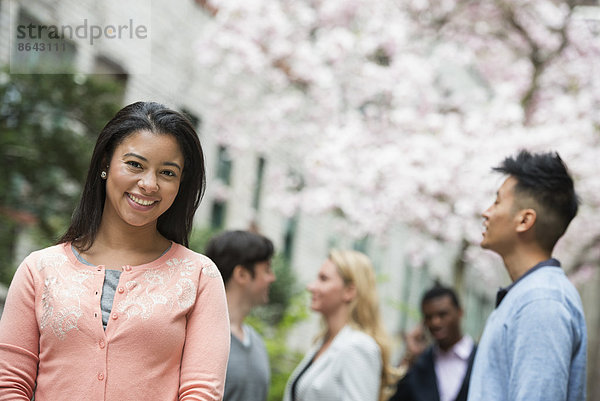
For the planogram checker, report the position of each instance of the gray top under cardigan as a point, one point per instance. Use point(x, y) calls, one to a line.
point(111, 281)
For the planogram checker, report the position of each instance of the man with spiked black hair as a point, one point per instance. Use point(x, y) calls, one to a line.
point(533, 347)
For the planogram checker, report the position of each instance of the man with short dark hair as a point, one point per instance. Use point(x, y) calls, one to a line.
point(244, 260)
point(534, 344)
point(441, 372)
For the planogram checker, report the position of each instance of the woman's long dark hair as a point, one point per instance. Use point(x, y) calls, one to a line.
point(174, 224)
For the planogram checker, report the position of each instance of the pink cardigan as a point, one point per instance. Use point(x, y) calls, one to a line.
point(167, 338)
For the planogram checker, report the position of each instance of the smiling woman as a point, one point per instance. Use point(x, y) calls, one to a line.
point(120, 308)
point(152, 125)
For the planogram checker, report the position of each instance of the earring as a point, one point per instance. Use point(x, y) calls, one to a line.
point(103, 175)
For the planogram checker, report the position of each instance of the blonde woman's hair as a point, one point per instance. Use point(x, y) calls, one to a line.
point(356, 269)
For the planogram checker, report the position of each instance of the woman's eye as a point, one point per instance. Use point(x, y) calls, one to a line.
point(134, 164)
point(169, 173)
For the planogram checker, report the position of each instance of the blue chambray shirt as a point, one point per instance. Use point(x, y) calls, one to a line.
point(534, 344)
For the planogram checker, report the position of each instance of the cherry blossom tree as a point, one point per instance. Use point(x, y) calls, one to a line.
point(393, 112)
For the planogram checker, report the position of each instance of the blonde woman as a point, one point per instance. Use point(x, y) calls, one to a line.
point(350, 359)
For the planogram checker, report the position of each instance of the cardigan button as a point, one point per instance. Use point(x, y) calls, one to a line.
point(121, 290)
point(101, 344)
point(114, 316)
point(100, 376)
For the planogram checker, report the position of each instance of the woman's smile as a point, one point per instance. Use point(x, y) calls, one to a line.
point(139, 201)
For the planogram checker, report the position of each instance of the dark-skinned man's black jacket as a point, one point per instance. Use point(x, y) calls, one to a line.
point(420, 382)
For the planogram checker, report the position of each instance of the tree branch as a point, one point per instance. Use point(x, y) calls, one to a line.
point(539, 61)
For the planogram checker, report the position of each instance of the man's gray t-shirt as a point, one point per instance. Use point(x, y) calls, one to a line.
point(248, 372)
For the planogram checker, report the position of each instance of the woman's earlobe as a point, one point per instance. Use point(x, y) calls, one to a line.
point(349, 293)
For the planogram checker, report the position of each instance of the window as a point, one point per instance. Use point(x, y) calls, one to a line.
point(223, 174)
point(103, 65)
point(361, 244)
point(111, 73)
point(224, 165)
point(218, 213)
point(194, 119)
point(295, 183)
point(289, 236)
point(40, 48)
point(260, 172)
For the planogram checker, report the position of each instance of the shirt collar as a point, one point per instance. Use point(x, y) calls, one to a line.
point(546, 263)
point(462, 348)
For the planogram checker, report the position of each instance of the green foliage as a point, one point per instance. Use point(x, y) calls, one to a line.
point(407, 309)
point(200, 236)
point(286, 308)
point(281, 292)
point(49, 124)
point(283, 360)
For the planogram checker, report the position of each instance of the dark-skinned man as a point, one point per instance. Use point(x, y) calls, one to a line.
point(442, 371)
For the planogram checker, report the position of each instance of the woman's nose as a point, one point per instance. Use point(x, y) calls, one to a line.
point(148, 183)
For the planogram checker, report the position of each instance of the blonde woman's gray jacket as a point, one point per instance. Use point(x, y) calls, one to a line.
point(349, 370)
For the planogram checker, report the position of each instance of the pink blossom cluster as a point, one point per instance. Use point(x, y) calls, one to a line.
point(394, 111)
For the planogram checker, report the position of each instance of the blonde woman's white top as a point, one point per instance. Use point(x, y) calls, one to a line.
point(349, 370)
